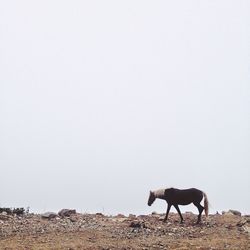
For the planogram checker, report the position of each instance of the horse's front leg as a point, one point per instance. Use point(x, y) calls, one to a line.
point(179, 212)
point(168, 209)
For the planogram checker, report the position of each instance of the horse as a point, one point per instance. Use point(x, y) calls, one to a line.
point(175, 197)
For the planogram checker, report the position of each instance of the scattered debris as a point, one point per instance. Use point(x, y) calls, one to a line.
point(144, 231)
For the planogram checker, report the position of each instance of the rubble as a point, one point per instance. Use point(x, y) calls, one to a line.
point(136, 232)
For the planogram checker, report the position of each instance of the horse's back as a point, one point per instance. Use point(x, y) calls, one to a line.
point(183, 196)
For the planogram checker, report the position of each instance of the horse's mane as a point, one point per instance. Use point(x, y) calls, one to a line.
point(159, 192)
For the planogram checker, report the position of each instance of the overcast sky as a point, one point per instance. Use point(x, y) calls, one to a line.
point(102, 101)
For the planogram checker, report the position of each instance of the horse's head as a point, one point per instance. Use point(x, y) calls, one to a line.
point(151, 198)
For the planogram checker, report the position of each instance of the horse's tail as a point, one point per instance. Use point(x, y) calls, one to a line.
point(205, 204)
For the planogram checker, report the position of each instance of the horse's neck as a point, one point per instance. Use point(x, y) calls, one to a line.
point(159, 193)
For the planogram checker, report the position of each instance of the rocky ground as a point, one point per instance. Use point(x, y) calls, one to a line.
point(70, 230)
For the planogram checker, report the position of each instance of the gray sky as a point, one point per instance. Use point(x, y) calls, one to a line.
point(101, 101)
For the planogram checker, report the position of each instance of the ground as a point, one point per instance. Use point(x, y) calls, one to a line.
point(97, 231)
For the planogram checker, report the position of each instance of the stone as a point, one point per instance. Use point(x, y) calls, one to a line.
point(100, 214)
point(227, 213)
point(242, 223)
point(137, 224)
point(132, 216)
point(120, 216)
point(49, 215)
point(4, 216)
point(232, 212)
point(235, 212)
point(246, 229)
point(66, 212)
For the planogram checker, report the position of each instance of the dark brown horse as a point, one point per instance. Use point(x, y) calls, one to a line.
point(175, 197)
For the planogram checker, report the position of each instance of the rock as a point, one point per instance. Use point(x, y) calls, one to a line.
point(73, 219)
point(49, 215)
point(246, 229)
point(118, 219)
point(242, 223)
point(132, 216)
point(232, 212)
point(120, 216)
point(235, 212)
point(137, 224)
point(100, 214)
point(142, 217)
point(4, 216)
point(162, 218)
point(66, 212)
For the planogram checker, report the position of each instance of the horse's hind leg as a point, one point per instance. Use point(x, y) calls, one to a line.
point(200, 208)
